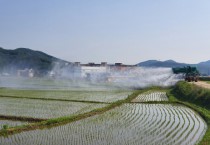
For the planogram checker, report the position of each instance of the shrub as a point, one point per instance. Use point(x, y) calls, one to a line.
point(192, 93)
point(5, 126)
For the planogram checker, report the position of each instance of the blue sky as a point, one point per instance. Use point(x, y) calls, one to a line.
point(127, 31)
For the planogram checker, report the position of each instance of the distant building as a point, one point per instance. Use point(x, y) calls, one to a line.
point(90, 71)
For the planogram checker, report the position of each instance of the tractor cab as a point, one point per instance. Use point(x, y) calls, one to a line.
point(190, 73)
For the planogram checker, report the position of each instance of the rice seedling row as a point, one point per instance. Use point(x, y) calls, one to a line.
point(156, 123)
point(183, 132)
point(43, 109)
point(184, 128)
point(127, 124)
point(151, 96)
point(98, 96)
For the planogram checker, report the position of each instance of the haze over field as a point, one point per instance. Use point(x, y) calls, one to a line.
point(131, 79)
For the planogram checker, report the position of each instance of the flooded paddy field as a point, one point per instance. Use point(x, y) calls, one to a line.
point(151, 96)
point(136, 122)
point(42, 108)
point(127, 124)
point(79, 95)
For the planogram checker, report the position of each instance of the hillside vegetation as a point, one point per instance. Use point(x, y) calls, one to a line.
point(21, 58)
point(192, 93)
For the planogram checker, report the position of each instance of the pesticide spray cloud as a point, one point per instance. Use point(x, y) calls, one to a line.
point(141, 77)
point(120, 77)
point(98, 78)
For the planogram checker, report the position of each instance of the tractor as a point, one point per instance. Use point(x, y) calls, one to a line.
point(190, 73)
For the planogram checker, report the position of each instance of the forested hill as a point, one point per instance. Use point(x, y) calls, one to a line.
point(167, 63)
point(22, 58)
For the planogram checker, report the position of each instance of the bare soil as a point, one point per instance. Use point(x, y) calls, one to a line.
point(202, 84)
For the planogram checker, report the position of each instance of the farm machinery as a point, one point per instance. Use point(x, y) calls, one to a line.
point(189, 73)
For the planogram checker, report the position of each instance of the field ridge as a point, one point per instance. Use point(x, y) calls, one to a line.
point(51, 99)
point(68, 119)
point(21, 118)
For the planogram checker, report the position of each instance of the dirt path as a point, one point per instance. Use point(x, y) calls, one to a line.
point(202, 84)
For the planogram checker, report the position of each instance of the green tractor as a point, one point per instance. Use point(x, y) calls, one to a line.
point(190, 73)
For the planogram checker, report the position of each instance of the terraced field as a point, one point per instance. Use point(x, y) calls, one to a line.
point(134, 123)
point(127, 124)
point(151, 96)
point(98, 96)
point(44, 109)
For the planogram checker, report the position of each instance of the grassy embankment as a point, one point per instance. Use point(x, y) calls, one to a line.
point(68, 119)
point(196, 98)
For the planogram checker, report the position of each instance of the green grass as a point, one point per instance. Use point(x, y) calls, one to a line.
point(192, 93)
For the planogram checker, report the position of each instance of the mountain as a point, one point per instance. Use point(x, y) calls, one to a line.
point(203, 67)
point(205, 63)
point(157, 63)
point(22, 58)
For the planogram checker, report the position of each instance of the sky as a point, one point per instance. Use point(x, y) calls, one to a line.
point(126, 31)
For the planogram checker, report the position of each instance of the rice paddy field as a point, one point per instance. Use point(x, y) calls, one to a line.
point(43, 109)
point(151, 96)
point(128, 124)
point(137, 122)
point(80, 95)
point(55, 84)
